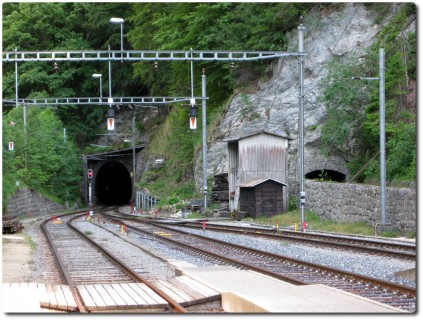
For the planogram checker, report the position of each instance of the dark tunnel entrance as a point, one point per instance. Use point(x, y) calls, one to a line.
point(326, 175)
point(113, 185)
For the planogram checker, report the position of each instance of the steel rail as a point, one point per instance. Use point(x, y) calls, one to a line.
point(347, 243)
point(334, 277)
point(176, 306)
point(403, 289)
point(62, 268)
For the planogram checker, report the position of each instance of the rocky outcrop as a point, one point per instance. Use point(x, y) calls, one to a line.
point(275, 104)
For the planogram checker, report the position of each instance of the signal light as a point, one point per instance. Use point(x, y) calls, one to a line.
point(90, 173)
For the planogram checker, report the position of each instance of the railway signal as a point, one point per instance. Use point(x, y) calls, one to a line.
point(110, 119)
point(193, 117)
point(90, 173)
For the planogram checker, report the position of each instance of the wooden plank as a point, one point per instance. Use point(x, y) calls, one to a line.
point(120, 303)
point(149, 295)
point(108, 300)
point(43, 295)
point(130, 303)
point(177, 290)
point(60, 297)
point(51, 296)
point(170, 293)
point(193, 293)
point(198, 286)
point(86, 297)
point(100, 304)
point(70, 300)
point(134, 295)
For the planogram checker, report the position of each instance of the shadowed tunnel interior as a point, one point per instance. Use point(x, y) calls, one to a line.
point(326, 175)
point(113, 184)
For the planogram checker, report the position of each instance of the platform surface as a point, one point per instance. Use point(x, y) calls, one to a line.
point(249, 291)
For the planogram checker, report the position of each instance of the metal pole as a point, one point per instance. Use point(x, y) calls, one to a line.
point(382, 135)
point(192, 77)
point(121, 40)
point(301, 119)
point(110, 78)
point(89, 195)
point(101, 87)
point(16, 80)
point(203, 78)
point(133, 152)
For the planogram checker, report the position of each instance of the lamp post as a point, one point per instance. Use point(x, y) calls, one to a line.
point(121, 21)
point(381, 132)
point(100, 77)
point(133, 155)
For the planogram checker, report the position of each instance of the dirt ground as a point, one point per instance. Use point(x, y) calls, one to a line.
point(16, 258)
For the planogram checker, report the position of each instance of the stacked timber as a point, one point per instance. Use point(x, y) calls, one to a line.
point(11, 224)
point(220, 188)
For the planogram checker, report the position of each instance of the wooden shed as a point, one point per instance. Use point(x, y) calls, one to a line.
point(261, 197)
point(260, 155)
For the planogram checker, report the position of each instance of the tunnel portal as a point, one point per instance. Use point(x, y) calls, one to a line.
point(326, 175)
point(113, 184)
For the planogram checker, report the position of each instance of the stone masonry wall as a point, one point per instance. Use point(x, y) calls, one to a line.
point(26, 201)
point(357, 202)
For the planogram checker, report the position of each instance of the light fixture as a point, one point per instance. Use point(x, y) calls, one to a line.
point(99, 76)
point(116, 20)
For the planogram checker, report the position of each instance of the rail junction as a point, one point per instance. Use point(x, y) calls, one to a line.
point(98, 277)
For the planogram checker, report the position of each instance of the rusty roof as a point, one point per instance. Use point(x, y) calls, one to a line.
point(255, 182)
point(256, 133)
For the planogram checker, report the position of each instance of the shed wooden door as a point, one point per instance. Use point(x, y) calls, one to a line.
point(269, 203)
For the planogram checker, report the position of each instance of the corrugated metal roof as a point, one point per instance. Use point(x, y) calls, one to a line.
point(256, 133)
point(255, 182)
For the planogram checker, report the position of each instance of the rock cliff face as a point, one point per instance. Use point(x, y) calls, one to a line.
point(275, 105)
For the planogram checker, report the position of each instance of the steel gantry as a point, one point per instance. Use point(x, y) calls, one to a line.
point(161, 55)
point(133, 55)
point(100, 101)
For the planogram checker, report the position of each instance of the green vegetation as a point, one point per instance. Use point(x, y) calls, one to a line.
point(55, 171)
point(314, 222)
point(353, 106)
point(32, 245)
point(148, 26)
point(43, 160)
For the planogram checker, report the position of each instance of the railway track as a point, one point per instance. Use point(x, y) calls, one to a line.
point(394, 249)
point(287, 269)
point(76, 255)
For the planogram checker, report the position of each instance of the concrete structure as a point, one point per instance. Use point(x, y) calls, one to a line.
point(261, 155)
point(246, 291)
point(112, 179)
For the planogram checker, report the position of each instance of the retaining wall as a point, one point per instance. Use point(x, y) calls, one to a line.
point(357, 202)
point(30, 203)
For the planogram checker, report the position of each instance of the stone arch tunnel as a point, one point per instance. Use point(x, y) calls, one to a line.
point(112, 181)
